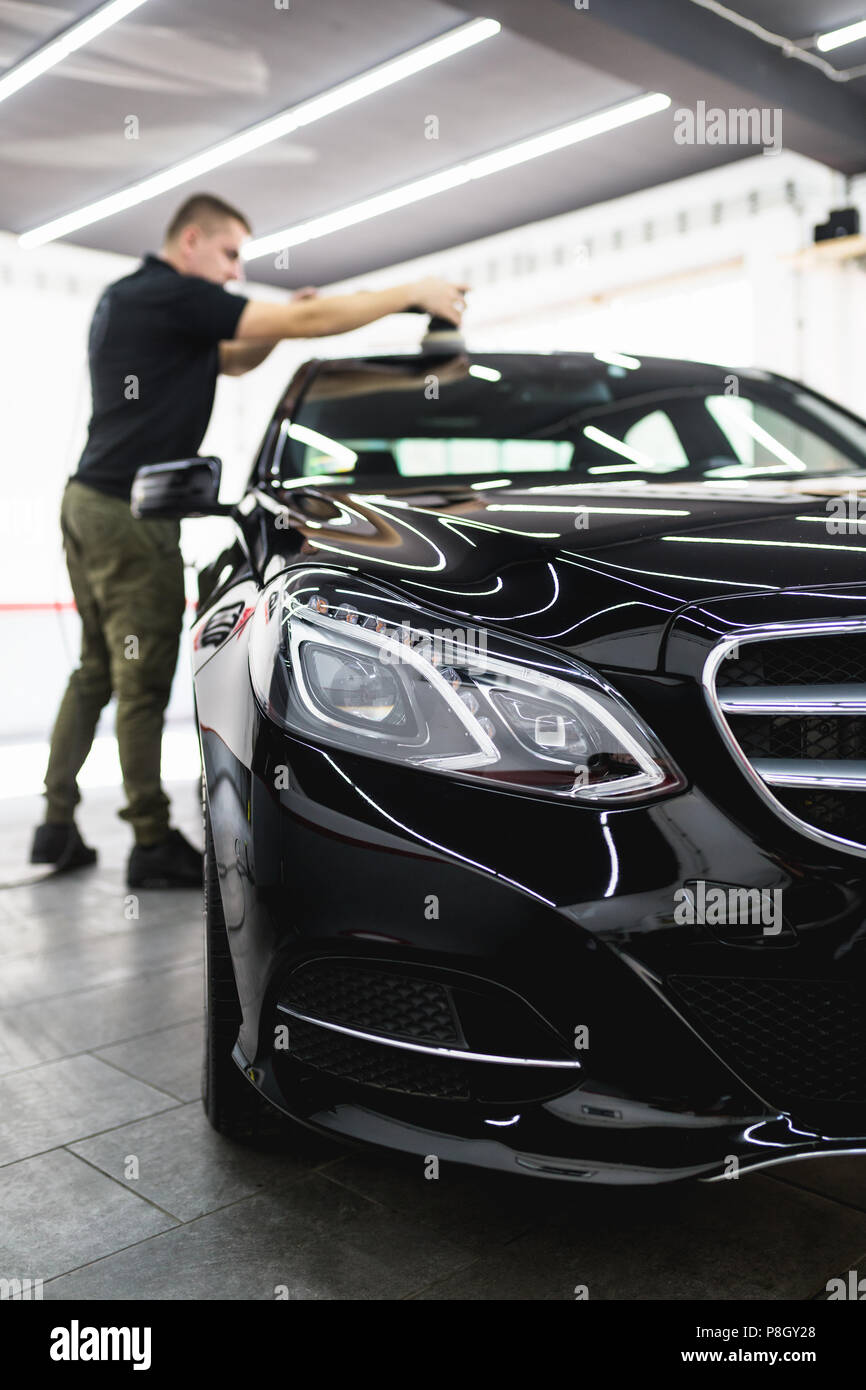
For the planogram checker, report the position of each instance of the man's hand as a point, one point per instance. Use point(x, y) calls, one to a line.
point(441, 298)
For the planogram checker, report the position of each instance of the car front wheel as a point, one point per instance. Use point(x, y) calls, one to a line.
point(231, 1103)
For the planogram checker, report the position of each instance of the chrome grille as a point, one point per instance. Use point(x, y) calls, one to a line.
point(791, 704)
point(799, 660)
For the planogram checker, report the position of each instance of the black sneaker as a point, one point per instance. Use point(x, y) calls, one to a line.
point(172, 863)
point(62, 846)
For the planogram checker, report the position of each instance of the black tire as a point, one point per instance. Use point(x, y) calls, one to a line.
point(232, 1104)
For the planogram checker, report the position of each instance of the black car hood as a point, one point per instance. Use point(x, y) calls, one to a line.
point(598, 571)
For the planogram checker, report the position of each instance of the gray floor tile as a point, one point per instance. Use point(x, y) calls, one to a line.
point(67, 1100)
point(840, 1176)
point(95, 1018)
point(24, 1041)
point(42, 1199)
point(188, 1169)
point(486, 1208)
point(750, 1239)
point(25, 925)
point(123, 955)
point(169, 1059)
point(315, 1238)
point(87, 902)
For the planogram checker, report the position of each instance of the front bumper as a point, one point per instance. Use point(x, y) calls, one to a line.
point(559, 919)
point(557, 1141)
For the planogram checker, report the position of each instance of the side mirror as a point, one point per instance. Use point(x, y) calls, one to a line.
point(189, 487)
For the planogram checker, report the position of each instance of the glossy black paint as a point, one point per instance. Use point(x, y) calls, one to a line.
point(558, 912)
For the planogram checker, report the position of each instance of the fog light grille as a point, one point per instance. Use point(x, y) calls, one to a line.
point(374, 1001)
point(377, 1064)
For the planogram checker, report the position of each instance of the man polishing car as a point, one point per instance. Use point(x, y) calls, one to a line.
point(158, 339)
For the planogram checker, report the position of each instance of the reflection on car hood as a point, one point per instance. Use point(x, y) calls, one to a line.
point(580, 565)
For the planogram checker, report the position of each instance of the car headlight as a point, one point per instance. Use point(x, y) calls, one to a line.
point(335, 659)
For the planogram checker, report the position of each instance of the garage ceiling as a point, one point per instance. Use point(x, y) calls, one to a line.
point(196, 72)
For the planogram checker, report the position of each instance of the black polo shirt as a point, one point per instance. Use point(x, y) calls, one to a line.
point(154, 362)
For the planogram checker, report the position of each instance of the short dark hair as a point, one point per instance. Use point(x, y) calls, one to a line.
point(207, 210)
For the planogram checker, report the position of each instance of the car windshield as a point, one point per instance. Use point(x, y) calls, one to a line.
point(612, 418)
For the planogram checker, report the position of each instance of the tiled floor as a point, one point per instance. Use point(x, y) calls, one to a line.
point(112, 1184)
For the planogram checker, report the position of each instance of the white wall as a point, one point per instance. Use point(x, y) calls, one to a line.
point(693, 269)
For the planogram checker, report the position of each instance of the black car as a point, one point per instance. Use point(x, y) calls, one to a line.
point(531, 701)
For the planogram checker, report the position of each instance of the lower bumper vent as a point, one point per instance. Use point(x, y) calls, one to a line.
point(376, 1001)
point(793, 1040)
point(377, 1064)
point(414, 1034)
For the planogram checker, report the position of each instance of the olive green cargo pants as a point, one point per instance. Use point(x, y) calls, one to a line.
point(127, 580)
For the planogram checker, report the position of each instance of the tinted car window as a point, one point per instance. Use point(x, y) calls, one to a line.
point(510, 415)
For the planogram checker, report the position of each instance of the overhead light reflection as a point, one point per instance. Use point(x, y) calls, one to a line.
point(638, 459)
point(784, 545)
point(416, 834)
point(485, 373)
point(596, 511)
point(338, 452)
point(614, 857)
point(617, 359)
point(737, 411)
point(630, 467)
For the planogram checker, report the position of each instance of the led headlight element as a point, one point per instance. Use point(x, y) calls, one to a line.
point(353, 686)
point(351, 669)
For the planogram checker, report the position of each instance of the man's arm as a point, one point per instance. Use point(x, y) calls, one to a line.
point(340, 313)
point(237, 358)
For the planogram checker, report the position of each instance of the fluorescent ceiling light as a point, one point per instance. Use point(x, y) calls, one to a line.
point(837, 37)
point(478, 168)
point(71, 39)
point(484, 373)
point(426, 55)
